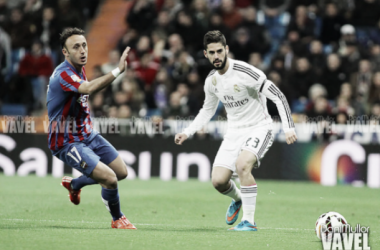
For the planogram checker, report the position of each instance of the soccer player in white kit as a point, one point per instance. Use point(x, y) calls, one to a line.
point(243, 90)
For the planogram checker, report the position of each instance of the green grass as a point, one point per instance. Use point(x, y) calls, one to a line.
point(35, 213)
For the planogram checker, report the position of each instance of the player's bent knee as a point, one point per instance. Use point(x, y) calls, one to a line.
point(244, 167)
point(111, 182)
point(122, 176)
point(219, 184)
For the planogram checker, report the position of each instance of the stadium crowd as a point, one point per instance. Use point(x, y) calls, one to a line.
point(324, 55)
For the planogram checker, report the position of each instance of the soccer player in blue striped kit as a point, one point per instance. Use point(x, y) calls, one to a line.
point(71, 135)
point(243, 90)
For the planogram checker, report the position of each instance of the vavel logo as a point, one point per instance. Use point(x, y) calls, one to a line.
point(346, 238)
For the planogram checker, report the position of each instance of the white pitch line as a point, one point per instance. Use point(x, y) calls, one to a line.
point(141, 224)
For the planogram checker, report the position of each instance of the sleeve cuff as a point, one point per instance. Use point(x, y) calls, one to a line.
point(187, 133)
point(286, 130)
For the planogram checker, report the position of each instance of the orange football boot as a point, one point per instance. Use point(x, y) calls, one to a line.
point(73, 194)
point(122, 223)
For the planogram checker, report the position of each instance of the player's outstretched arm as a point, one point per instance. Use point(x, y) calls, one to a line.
point(101, 82)
point(180, 138)
point(273, 93)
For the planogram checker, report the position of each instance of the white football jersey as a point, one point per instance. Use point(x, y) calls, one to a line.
point(243, 90)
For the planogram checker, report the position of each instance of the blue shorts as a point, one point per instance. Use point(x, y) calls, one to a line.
point(84, 156)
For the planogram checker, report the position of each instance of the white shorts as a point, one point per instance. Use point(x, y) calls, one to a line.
point(255, 140)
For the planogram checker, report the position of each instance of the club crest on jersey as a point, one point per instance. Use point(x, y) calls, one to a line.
point(83, 100)
point(236, 88)
point(214, 81)
point(83, 164)
point(75, 78)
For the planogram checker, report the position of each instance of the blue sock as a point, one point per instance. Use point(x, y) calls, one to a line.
point(82, 181)
point(110, 198)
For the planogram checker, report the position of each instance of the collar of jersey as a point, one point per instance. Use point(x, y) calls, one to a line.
point(229, 68)
point(73, 69)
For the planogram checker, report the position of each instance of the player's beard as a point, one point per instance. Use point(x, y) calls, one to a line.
point(222, 65)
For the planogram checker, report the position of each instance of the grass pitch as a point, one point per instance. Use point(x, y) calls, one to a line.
point(36, 214)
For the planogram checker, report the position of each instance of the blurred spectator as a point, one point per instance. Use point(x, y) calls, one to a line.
point(346, 92)
point(69, 16)
point(319, 108)
point(188, 30)
point(188, 98)
point(162, 88)
point(182, 67)
point(366, 13)
point(302, 78)
point(375, 111)
point(38, 67)
point(172, 6)
point(201, 14)
point(374, 90)
point(331, 23)
point(163, 23)
point(141, 16)
point(5, 55)
point(303, 24)
point(36, 63)
point(135, 96)
point(142, 47)
point(343, 105)
point(341, 118)
point(275, 18)
point(256, 60)
point(129, 39)
point(124, 111)
point(19, 30)
point(277, 65)
point(112, 112)
point(307, 3)
point(333, 76)
point(113, 62)
point(316, 57)
point(350, 57)
point(175, 108)
point(230, 14)
point(216, 23)
point(316, 90)
point(361, 80)
point(299, 48)
point(146, 69)
point(33, 12)
point(4, 12)
point(241, 46)
point(196, 92)
point(375, 56)
point(259, 37)
point(175, 46)
point(97, 105)
point(49, 29)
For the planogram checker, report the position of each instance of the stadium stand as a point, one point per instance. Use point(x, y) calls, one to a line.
point(324, 55)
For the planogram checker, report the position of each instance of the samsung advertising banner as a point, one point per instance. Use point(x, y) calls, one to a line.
point(334, 163)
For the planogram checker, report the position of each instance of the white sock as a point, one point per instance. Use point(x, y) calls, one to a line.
point(248, 197)
point(233, 192)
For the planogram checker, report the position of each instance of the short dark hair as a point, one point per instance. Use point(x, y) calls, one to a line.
point(69, 32)
point(214, 36)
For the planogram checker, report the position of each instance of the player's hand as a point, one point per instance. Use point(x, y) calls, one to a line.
point(180, 138)
point(123, 60)
point(291, 137)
